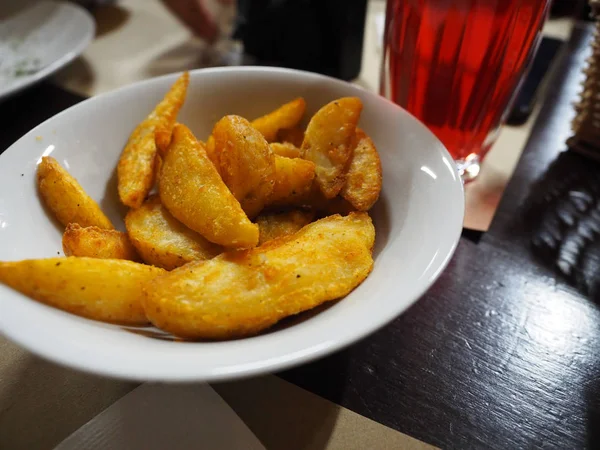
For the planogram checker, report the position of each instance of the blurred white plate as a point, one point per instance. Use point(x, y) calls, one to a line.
point(418, 220)
point(37, 38)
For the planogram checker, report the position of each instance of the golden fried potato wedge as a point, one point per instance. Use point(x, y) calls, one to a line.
point(66, 198)
point(363, 179)
point(275, 225)
point(192, 190)
point(241, 293)
point(293, 180)
point(167, 111)
point(100, 289)
point(293, 136)
point(246, 162)
point(210, 151)
point(95, 242)
point(162, 240)
point(157, 169)
point(328, 142)
point(285, 149)
point(286, 116)
point(136, 167)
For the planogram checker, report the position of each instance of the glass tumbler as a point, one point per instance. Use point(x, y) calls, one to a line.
point(456, 65)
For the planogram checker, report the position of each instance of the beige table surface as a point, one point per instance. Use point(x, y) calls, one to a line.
point(41, 403)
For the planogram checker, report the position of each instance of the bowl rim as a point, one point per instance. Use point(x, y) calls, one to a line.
point(23, 337)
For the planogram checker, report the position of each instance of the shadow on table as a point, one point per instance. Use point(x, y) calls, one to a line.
point(109, 17)
point(562, 213)
point(47, 402)
point(196, 54)
point(185, 56)
point(281, 415)
point(560, 220)
point(78, 75)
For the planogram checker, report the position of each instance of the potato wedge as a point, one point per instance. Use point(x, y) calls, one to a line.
point(293, 136)
point(293, 181)
point(95, 242)
point(241, 293)
point(210, 151)
point(286, 116)
point(66, 198)
point(136, 167)
point(167, 111)
point(285, 149)
point(246, 162)
point(275, 225)
point(192, 190)
point(328, 142)
point(162, 240)
point(363, 179)
point(157, 169)
point(102, 289)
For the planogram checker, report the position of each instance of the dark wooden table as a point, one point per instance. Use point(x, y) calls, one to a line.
point(504, 350)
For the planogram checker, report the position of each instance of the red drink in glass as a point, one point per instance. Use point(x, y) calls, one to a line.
point(456, 66)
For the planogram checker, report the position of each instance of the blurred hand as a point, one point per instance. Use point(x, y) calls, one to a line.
point(196, 16)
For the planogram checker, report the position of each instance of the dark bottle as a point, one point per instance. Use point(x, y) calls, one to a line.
point(323, 36)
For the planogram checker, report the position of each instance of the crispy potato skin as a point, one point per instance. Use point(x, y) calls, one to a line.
point(286, 149)
point(136, 168)
point(167, 111)
point(194, 193)
point(246, 162)
point(211, 152)
point(328, 142)
point(162, 240)
point(157, 169)
point(241, 293)
point(95, 242)
point(363, 179)
point(293, 181)
point(286, 116)
point(293, 136)
point(102, 289)
point(66, 198)
point(276, 225)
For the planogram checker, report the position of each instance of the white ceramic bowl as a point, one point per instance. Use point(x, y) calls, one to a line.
point(418, 221)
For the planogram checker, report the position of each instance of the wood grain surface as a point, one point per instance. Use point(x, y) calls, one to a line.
point(504, 350)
